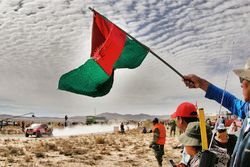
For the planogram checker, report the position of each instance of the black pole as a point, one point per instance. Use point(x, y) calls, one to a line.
point(171, 67)
point(158, 57)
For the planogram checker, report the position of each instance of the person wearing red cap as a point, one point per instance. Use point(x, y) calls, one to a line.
point(185, 113)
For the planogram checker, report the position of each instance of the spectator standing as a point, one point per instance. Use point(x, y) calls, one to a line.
point(65, 120)
point(122, 128)
point(172, 125)
point(159, 139)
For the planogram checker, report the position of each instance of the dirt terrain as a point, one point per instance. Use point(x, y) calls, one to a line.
point(100, 150)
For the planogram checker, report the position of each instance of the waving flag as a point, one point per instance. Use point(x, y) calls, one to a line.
point(112, 48)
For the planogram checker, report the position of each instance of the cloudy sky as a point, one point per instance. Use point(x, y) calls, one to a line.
point(43, 39)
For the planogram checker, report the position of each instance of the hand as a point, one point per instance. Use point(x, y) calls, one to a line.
point(193, 81)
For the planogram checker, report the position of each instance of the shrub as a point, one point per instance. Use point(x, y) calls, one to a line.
point(15, 150)
point(99, 140)
point(10, 160)
point(40, 154)
point(51, 146)
point(28, 158)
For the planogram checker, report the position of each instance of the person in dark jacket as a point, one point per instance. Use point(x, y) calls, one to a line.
point(144, 130)
point(65, 120)
point(23, 126)
point(122, 128)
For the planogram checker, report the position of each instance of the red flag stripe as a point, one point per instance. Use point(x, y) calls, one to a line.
point(107, 43)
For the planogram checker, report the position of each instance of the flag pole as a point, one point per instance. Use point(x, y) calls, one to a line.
point(158, 57)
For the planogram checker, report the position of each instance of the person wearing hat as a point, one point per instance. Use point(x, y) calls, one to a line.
point(238, 107)
point(159, 139)
point(224, 140)
point(185, 113)
point(191, 139)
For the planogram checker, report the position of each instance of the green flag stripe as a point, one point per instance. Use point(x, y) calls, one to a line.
point(132, 55)
point(88, 79)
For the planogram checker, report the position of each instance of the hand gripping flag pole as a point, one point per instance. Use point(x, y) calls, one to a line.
point(158, 57)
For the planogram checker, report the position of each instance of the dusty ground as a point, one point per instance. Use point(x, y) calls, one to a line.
point(100, 150)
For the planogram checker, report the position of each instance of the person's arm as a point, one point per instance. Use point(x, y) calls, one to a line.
point(233, 104)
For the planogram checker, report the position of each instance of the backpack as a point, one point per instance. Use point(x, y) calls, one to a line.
point(216, 157)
